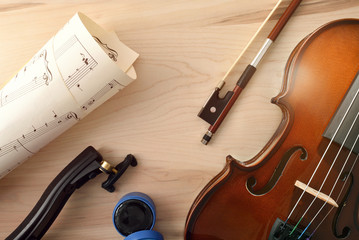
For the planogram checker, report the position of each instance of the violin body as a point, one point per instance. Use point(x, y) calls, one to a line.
point(245, 199)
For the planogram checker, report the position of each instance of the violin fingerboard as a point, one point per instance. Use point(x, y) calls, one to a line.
point(349, 119)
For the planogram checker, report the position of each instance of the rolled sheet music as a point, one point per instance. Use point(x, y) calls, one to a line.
point(80, 68)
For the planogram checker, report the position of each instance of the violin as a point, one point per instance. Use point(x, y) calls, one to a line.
point(304, 183)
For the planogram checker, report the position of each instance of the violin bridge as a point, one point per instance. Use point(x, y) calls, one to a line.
point(322, 196)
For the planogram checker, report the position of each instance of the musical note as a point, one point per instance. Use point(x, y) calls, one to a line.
point(91, 101)
point(73, 47)
point(79, 87)
point(36, 133)
point(84, 59)
point(100, 94)
point(41, 64)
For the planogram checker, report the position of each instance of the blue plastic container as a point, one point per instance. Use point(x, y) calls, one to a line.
point(134, 213)
point(145, 235)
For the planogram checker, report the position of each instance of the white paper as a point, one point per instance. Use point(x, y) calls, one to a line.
point(80, 68)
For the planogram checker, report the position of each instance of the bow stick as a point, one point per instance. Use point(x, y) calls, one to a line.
point(215, 109)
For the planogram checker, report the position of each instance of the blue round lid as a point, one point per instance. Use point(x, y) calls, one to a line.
point(145, 235)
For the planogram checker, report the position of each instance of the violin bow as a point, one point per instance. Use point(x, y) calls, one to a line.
point(216, 109)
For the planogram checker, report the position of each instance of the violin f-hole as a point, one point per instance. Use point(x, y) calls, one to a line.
point(346, 230)
point(251, 182)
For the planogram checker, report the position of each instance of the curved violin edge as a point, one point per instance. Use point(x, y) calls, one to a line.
point(284, 127)
point(196, 206)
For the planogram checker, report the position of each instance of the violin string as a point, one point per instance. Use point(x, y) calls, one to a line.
point(325, 179)
point(321, 159)
point(330, 169)
point(340, 193)
point(340, 173)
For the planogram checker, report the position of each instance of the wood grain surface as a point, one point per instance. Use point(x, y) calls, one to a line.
point(185, 49)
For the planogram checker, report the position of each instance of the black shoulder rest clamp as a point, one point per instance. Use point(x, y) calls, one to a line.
point(84, 167)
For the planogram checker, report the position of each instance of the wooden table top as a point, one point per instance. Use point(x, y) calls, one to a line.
point(185, 48)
